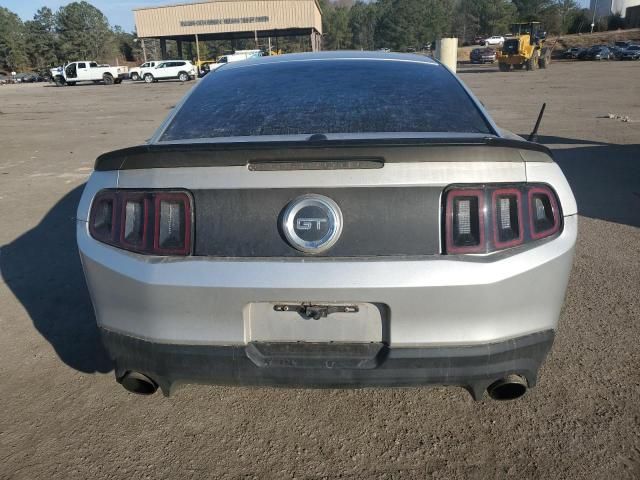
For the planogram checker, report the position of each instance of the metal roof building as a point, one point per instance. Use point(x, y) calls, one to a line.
point(230, 19)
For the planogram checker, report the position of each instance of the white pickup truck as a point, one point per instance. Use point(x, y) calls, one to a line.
point(135, 73)
point(87, 71)
point(239, 55)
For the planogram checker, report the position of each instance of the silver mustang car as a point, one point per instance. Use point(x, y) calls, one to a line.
point(336, 219)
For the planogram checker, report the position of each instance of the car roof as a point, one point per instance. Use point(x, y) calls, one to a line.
point(336, 55)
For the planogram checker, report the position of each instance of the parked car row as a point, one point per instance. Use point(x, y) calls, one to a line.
point(619, 51)
point(151, 71)
point(26, 77)
point(184, 70)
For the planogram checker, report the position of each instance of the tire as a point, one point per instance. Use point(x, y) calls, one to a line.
point(107, 79)
point(135, 77)
point(148, 78)
point(545, 58)
point(532, 63)
point(520, 66)
point(183, 77)
point(504, 67)
point(59, 81)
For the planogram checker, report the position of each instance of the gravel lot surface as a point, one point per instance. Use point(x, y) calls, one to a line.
point(63, 416)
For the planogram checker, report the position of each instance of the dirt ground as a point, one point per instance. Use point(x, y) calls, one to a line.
point(63, 416)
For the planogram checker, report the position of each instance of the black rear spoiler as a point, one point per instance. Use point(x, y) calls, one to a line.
point(245, 153)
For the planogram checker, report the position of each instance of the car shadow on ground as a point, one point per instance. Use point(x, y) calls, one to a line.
point(42, 268)
point(604, 177)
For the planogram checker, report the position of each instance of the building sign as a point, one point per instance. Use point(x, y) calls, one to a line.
point(223, 21)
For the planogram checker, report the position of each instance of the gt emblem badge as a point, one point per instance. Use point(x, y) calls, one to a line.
point(312, 223)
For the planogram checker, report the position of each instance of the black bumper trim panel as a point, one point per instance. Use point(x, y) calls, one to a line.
point(372, 218)
point(473, 367)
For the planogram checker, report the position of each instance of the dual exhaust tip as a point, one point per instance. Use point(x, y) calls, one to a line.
point(510, 387)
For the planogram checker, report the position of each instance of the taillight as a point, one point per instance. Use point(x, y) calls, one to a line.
point(172, 235)
point(465, 230)
point(152, 222)
point(507, 213)
point(543, 212)
point(486, 218)
point(103, 217)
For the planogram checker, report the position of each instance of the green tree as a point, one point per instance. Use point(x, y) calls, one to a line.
point(412, 23)
point(532, 10)
point(615, 22)
point(483, 17)
point(129, 49)
point(84, 33)
point(41, 40)
point(335, 24)
point(555, 15)
point(363, 18)
point(580, 21)
point(12, 41)
point(567, 10)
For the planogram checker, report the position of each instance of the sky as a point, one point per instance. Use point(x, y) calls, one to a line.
point(117, 11)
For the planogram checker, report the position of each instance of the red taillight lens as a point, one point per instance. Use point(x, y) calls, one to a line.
point(102, 221)
point(543, 212)
point(486, 218)
point(148, 222)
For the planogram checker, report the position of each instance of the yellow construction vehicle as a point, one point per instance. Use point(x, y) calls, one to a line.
point(524, 48)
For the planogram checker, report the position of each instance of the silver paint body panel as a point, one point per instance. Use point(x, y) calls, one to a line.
point(439, 300)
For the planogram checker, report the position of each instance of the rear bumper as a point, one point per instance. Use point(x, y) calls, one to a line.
point(424, 302)
point(473, 367)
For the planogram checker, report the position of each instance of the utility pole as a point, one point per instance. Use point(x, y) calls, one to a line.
point(593, 20)
point(198, 51)
point(144, 50)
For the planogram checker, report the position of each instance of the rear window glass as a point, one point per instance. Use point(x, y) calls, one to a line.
point(328, 96)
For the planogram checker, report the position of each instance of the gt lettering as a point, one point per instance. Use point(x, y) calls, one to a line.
point(308, 223)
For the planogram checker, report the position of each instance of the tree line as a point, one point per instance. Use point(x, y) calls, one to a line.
point(76, 31)
point(79, 30)
point(412, 24)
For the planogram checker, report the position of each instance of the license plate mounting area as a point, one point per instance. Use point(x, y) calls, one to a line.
point(313, 311)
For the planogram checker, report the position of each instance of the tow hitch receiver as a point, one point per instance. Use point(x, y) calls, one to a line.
point(315, 312)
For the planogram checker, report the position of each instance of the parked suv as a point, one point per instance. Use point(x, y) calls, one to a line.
point(183, 70)
point(494, 40)
point(135, 72)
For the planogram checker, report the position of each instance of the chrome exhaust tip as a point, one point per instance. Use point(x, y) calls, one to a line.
point(139, 383)
point(510, 387)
